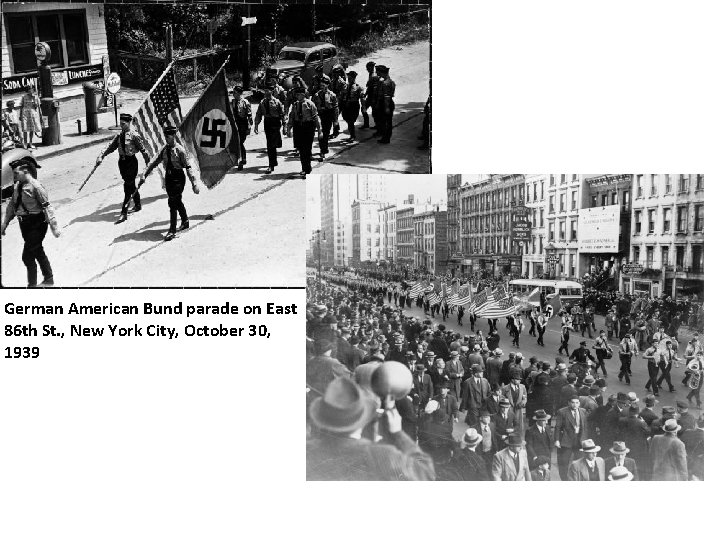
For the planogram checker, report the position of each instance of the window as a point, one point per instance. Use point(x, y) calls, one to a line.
point(680, 256)
point(573, 200)
point(562, 230)
point(638, 221)
point(573, 231)
point(613, 197)
point(574, 177)
point(552, 180)
point(369, 228)
point(542, 212)
point(551, 230)
point(534, 245)
point(552, 204)
point(541, 246)
point(668, 184)
point(562, 202)
point(653, 185)
point(639, 192)
point(683, 183)
point(697, 258)
point(651, 221)
point(626, 200)
point(699, 217)
point(535, 192)
point(700, 184)
point(562, 178)
point(542, 191)
point(636, 254)
point(682, 219)
point(650, 256)
point(315, 56)
point(666, 219)
point(534, 218)
point(604, 199)
point(664, 255)
point(572, 264)
point(593, 201)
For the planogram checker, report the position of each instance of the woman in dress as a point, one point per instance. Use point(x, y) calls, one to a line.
point(30, 116)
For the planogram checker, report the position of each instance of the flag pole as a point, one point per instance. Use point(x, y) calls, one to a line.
point(97, 164)
point(209, 85)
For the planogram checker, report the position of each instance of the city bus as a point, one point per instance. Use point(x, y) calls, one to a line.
point(530, 289)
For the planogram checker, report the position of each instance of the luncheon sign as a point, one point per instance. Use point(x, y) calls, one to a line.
point(599, 229)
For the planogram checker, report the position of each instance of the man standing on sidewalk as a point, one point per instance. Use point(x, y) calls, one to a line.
point(327, 105)
point(128, 143)
point(385, 103)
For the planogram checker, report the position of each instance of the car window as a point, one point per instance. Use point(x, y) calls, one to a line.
point(332, 52)
point(292, 55)
point(314, 56)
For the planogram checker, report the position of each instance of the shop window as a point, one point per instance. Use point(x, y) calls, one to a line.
point(699, 217)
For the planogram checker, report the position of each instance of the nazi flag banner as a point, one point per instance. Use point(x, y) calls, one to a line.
point(210, 133)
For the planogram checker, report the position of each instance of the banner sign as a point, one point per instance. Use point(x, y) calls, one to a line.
point(16, 84)
point(599, 229)
point(520, 226)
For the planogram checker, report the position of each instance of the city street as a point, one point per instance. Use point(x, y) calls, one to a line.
point(529, 347)
point(240, 230)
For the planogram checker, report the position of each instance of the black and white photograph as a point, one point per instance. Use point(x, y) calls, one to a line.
point(505, 327)
point(167, 144)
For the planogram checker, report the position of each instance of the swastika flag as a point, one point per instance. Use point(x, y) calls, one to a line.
point(209, 133)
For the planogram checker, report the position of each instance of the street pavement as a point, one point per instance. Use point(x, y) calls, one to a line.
point(529, 347)
point(247, 231)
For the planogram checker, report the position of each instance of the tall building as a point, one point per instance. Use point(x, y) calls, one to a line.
point(454, 181)
point(536, 190)
point(337, 193)
point(561, 241)
point(486, 208)
point(388, 233)
point(365, 232)
point(431, 240)
point(667, 240)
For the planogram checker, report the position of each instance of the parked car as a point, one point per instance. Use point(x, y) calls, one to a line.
point(299, 59)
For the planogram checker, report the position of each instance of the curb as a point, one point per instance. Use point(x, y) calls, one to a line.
point(81, 146)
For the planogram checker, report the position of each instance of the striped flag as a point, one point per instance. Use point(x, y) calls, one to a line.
point(415, 290)
point(453, 298)
point(162, 106)
point(500, 292)
point(501, 308)
point(464, 295)
point(427, 286)
point(433, 298)
point(480, 300)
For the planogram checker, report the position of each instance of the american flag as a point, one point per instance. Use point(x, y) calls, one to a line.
point(480, 300)
point(161, 107)
point(433, 298)
point(415, 290)
point(452, 300)
point(464, 295)
point(501, 308)
point(500, 292)
point(428, 287)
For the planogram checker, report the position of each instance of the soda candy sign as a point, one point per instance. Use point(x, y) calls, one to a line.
point(112, 84)
point(62, 77)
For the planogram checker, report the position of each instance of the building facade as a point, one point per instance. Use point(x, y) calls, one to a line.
point(365, 232)
point(485, 224)
point(430, 240)
point(564, 192)
point(388, 233)
point(536, 197)
point(337, 193)
point(454, 181)
point(78, 44)
point(405, 236)
point(667, 239)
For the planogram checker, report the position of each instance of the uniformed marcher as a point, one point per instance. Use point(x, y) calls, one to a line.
point(272, 109)
point(369, 96)
point(385, 102)
point(349, 103)
point(277, 90)
point(174, 159)
point(303, 120)
point(327, 105)
point(242, 112)
point(30, 203)
point(338, 85)
point(298, 84)
point(316, 80)
point(128, 143)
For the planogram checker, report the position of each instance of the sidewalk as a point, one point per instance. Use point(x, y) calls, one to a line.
point(130, 100)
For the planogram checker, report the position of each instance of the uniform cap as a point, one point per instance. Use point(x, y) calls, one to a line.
point(352, 73)
point(25, 160)
point(125, 117)
point(169, 130)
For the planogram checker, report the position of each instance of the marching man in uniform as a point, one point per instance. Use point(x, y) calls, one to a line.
point(327, 105)
point(174, 159)
point(242, 111)
point(128, 143)
point(272, 109)
point(350, 103)
point(29, 202)
point(385, 103)
point(303, 119)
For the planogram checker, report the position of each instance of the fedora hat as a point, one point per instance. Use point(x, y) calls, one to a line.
point(632, 397)
point(514, 439)
point(620, 473)
point(343, 409)
point(589, 380)
point(588, 445)
point(541, 415)
point(471, 437)
point(504, 402)
point(619, 447)
point(671, 426)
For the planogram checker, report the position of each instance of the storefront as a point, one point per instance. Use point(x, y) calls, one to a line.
point(78, 44)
